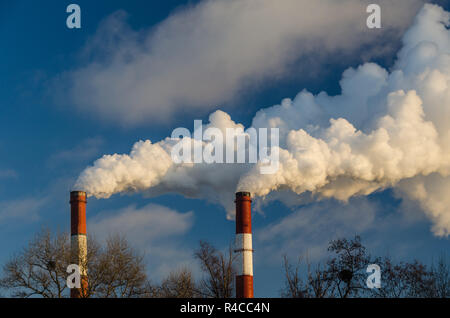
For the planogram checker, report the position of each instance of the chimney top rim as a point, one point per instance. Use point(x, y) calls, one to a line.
point(77, 193)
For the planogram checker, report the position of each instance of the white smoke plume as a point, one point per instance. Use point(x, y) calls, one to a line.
point(206, 54)
point(385, 129)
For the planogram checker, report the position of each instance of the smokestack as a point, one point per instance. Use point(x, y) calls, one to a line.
point(244, 277)
point(78, 239)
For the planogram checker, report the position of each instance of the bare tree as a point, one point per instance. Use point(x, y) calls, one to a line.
point(317, 284)
point(179, 284)
point(295, 285)
point(404, 280)
point(321, 282)
point(345, 274)
point(342, 276)
point(348, 268)
point(441, 277)
point(117, 271)
point(414, 280)
point(219, 271)
point(40, 268)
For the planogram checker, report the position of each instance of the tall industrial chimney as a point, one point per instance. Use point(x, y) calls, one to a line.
point(244, 277)
point(78, 240)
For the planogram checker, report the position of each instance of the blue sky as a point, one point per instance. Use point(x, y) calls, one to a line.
point(46, 142)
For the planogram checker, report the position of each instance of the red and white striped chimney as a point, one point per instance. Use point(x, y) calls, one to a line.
point(244, 277)
point(78, 240)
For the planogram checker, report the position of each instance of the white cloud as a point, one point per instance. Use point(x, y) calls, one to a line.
point(153, 229)
point(308, 230)
point(25, 209)
point(7, 173)
point(206, 54)
point(85, 150)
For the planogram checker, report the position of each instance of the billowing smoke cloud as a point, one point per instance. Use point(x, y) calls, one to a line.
point(149, 168)
point(386, 129)
point(205, 55)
